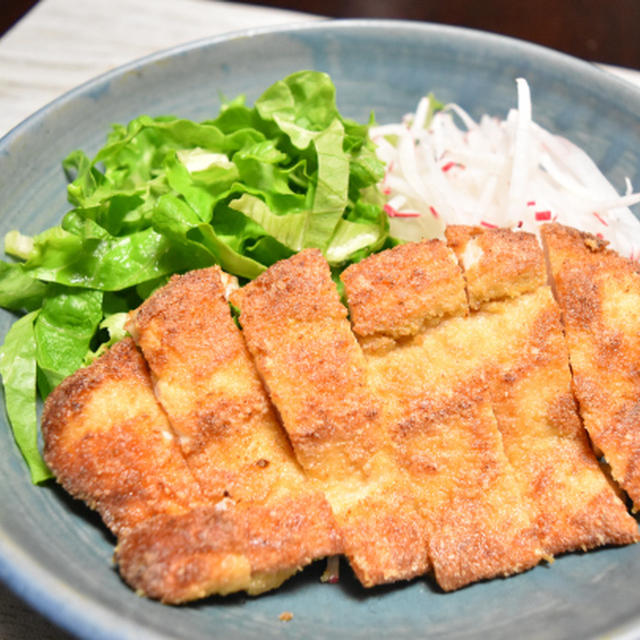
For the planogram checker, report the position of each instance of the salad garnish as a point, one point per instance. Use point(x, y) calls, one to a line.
point(443, 167)
point(165, 195)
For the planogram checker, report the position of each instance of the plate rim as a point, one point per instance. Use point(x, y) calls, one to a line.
point(318, 25)
point(20, 572)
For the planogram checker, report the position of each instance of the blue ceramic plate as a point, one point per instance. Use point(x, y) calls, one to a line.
point(57, 555)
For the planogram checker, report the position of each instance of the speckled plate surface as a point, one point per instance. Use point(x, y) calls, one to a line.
point(57, 555)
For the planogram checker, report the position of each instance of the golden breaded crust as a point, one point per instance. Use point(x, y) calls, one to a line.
point(561, 480)
point(562, 243)
point(526, 359)
point(475, 541)
point(398, 291)
point(233, 442)
point(446, 438)
point(296, 329)
point(225, 548)
point(438, 417)
point(286, 296)
point(497, 263)
point(180, 558)
point(206, 382)
point(599, 294)
point(109, 444)
point(481, 529)
point(385, 539)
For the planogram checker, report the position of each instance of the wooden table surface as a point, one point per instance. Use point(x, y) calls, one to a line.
point(62, 43)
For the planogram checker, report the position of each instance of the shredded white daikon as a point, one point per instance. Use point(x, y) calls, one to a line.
point(496, 173)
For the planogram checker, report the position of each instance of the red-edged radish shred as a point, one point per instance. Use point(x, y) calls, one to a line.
point(491, 172)
point(394, 213)
point(600, 219)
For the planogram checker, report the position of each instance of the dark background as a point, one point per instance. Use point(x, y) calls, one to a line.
point(13, 10)
point(598, 30)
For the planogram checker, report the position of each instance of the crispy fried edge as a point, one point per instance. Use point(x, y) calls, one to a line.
point(398, 291)
point(69, 399)
point(580, 256)
point(502, 264)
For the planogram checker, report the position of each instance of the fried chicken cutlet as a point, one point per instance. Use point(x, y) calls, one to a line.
point(228, 431)
point(109, 443)
point(524, 355)
point(206, 382)
point(438, 412)
point(599, 294)
point(297, 331)
point(445, 436)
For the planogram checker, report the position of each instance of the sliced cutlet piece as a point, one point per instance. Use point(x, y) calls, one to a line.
point(571, 502)
point(109, 443)
point(421, 297)
point(206, 382)
point(498, 263)
point(204, 379)
point(437, 408)
point(599, 294)
point(228, 431)
point(297, 331)
point(223, 548)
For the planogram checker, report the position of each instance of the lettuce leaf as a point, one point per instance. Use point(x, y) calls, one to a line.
point(18, 290)
point(63, 331)
point(244, 189)
point(18, 370)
